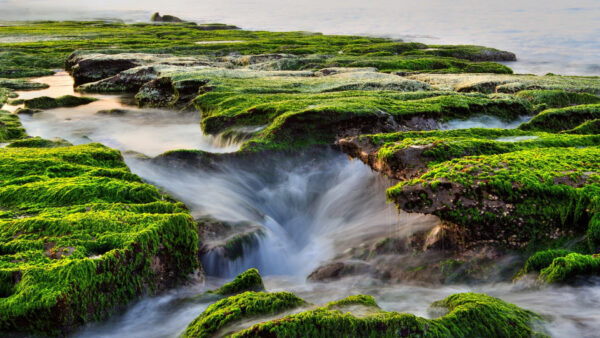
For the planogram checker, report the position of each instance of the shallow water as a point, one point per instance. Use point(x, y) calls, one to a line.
point(146, 131)
point(561, 37)
point(312, 207)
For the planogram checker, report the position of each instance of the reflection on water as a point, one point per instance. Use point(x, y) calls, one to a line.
point(147, 131)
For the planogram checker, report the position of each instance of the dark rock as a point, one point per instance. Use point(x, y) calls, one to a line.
point(85, 69)
point(156, 17)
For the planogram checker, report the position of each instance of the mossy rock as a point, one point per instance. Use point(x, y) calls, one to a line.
point(590, 127)
point(468, 315)
point(512, 198)
point(38, 142)
point(82, 236)
point(236, 308)
point(10, 127)
point(45, 102)
point(249, 280)
point(560, 119)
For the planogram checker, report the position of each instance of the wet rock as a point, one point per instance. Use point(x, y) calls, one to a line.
point(129, 81)
point(45, 102)
point(86, 68)
point(113, 112)
point(27, 111)
point(337, 270)
point(157, 93)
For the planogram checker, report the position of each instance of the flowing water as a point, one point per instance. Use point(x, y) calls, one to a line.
point(309, 208)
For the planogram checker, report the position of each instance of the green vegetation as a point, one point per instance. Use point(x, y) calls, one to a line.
point(45, 102)
point(440, 146)
point(512, 198)
point(590, 127)
point(10, 127)
point(544, 99)
point(38, 142)
point(81, 236)
point(511, 84)
point(235, 308)
point(249, 280)
point(569, 267)
point(555, 120)
point(37, 48)
point(469, 315)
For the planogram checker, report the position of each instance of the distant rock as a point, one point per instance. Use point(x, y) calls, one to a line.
point(156, 17)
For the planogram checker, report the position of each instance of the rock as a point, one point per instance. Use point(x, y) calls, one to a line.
point(27, 111)
point(45, 102)
point(114, 112)
point(85, 68)
point(156, 17)
point(337, 270)
point(157, 93)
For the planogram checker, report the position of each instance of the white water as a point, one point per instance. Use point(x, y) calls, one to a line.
point(312, 207)
point(561, 37)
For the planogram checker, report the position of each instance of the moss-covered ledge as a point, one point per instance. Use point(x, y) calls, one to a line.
point(81, 236)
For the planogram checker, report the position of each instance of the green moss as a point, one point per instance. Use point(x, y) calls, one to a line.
point(38, 142)
point(22, 84)
point(45, 102)
point(469, 315)
point(40, 47)
point(569, 267)
point(440, 146)
point(10, 127)
point(557, 98)
point(543, 259)
point(249, 280)
point(235, 308)
point(500, 83)
point(82, 236)
point(555, 120)
point(590, 127)
point(538, 192)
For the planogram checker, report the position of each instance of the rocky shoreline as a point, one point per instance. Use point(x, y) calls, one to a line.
point(83, 236)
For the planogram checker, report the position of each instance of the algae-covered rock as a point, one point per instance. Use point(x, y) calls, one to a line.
point(405, 155)
point(512, 198)
point(10, 127)
point(82, 236)
point(249, 280)
point(45, 102)
point(590, 127)
point(21, 84)
point(27, 111)
point(468, 315)
point(38, 142)
point(236, 308)
point(556, 120)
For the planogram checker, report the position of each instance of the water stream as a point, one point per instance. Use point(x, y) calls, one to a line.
point(310, 208)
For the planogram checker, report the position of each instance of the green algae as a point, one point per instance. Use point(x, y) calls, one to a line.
point(45, 45)
point(544, 99)
point(445, 145)
point(82, 236)
point(543, 190)
point(569, 267)
point(469, 315)
point(249, 280)
point(590, 127)
point(45, 102)
point(235, 308)
point(38, 142)
point(10, 127)
point(560, 119)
